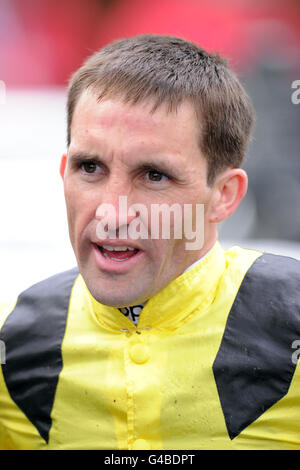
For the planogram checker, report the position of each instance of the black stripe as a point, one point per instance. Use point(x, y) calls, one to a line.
point(33, 334)
point(253, 368)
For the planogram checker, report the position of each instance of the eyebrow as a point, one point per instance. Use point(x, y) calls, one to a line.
point(78, 157)
point(149, 163)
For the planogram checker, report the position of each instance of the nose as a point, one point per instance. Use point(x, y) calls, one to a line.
point(115, 216)
point(112, 212)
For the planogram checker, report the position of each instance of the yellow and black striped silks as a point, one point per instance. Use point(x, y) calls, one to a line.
point(210, 365)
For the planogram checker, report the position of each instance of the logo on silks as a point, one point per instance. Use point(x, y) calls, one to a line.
point(166, 222)
point(132, 312)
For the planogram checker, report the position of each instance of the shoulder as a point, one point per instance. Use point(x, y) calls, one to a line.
point(32, 334)
point(269, 290)
point(256, 352)
point(257, 347)
point(50, 285)
point(5, 308)
point(277, 265)
point(46, 299)
point(263, 265)
point(274, 277)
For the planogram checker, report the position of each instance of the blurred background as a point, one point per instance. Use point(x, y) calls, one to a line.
point(43, 41)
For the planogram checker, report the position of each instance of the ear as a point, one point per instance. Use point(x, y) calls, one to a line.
point(63, 164)
point(229, 189)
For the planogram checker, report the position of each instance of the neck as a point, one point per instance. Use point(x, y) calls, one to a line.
point(132, 312)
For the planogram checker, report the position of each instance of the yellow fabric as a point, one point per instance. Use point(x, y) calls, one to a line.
point(152, 386)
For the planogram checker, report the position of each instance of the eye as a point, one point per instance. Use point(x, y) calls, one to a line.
point(88, 166)
point(154, 175)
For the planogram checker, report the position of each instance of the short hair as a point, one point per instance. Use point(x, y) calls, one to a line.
point(171, 70)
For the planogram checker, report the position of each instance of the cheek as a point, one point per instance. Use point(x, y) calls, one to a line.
point(165, 252)
point(80, 212)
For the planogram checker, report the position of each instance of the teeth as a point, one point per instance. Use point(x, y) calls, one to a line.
point(114, 259)
point(117, 248)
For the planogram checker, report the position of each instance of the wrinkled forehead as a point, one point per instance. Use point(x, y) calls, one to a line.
point(114, 110)
point(94, 117)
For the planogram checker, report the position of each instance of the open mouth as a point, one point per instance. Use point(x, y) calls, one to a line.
point(117, 253)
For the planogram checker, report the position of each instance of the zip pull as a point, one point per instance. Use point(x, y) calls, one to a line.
point(136, 329)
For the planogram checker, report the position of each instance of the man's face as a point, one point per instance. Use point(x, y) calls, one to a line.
point(118, 149)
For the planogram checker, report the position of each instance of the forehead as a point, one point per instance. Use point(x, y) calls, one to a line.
point(95, 120)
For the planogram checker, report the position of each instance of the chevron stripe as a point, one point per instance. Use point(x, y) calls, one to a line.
point(253, 368)
point(32, 335)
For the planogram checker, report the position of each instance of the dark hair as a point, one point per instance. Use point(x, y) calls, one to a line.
point(171, 70)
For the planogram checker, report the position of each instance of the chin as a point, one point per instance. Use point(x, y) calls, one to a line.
point(117, 299)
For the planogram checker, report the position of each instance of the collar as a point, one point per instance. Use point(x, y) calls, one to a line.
point(174, 304)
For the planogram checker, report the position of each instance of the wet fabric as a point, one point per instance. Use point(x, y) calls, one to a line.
point(208, 366)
